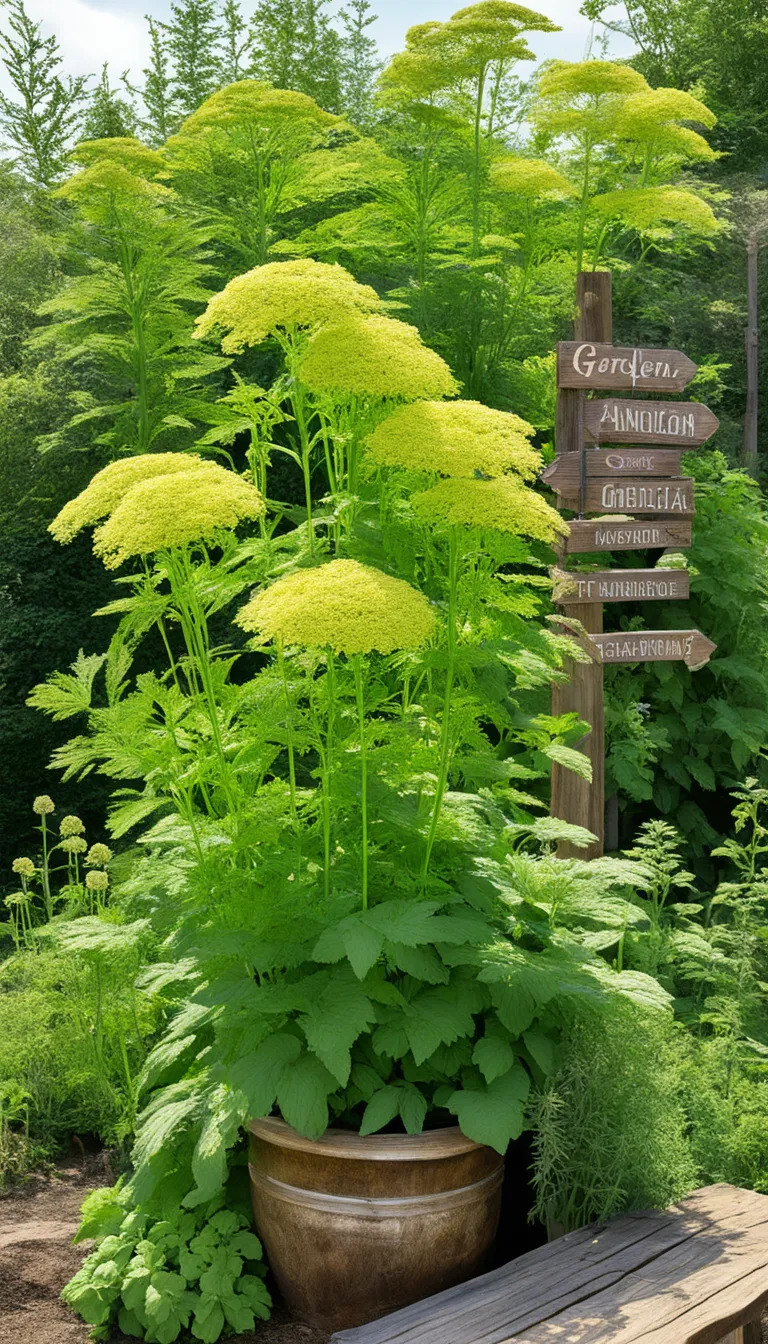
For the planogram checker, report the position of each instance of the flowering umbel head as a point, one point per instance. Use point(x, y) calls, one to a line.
point(96, 880)
point(98, 856)
point(502, 505)
point(23, 867)
point(111, 484)
point(43, 805)
point(283, 296)
point(74, 844)
point(70, 826)
point(348, 607)
point(179, 510)
point(374, 357)
point(455, 438)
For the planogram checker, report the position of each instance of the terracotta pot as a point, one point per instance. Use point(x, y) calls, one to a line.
point(356, 1227)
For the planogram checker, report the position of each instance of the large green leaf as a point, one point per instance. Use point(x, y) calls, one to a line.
point(258, 1074)
point(334, 1022)
point(493, 1056)
point(494, 1114)
point(303, 1096)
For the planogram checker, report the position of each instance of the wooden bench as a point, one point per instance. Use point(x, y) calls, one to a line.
point(695, 1274)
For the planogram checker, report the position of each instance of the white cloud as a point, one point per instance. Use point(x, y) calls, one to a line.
point(89, 35)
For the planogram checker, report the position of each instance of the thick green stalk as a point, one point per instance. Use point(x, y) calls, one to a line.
point(450, 676)
point(360, 698)
point(478, 163)
point(289, 730)
point(45, 874)
point(330, 746)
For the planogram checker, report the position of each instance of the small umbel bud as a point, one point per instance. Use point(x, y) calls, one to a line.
point(74, 844)
point(70, 826)
point(23, 867)
point(98, 856)
point(96, 881)
point(43, 805)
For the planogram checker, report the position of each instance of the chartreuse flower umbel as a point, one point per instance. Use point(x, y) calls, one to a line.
point(348, 607)
point(500, 505)
point(282, 297)
point(455, 438)
point(109, 487)
point(374, 357)
point(166, 512)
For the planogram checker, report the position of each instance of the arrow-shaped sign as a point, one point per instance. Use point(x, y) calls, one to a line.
point(603, 534)
point(621, 585)
point(629, 494)
point(655, 646)
point(618, 420)
point(564, 474)
point(586, 364)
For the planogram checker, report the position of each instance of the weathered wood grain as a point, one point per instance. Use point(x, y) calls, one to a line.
point(689, 1275)
point(656, 646)
point(602, 534)
point(621, 585)
point(564, 474)
point(589, 363)
point(620, 420)
point(672, 498)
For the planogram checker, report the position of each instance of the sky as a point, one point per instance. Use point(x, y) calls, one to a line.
point(91, 32)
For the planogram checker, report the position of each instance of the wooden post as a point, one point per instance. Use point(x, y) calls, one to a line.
point(573, 799)
point(750, 419)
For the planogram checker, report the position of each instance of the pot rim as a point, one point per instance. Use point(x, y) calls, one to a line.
point(428, 1147)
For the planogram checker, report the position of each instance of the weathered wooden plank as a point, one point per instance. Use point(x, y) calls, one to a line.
point(564, 474)
point(588, 363)
point(602, 534)
point(656, 646)
point(670, 498)
point(621, 585)
point(620, 420)
point(686, 1276)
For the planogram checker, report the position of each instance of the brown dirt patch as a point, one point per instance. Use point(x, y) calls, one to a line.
point(37, 1223)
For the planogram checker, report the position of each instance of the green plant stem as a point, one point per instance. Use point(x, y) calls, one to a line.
point(450, 676)
point(289, 731)
point(330, 747)
point(360, 697)
point(45, 872)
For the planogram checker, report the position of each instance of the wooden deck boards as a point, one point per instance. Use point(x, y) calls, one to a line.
point(689, 1275)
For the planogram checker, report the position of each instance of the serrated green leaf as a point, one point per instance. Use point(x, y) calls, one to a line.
point(303, 1096)
point(381, 1109)
point(408, 922)
point(541, 1049)
point(423, 963)
point(494, 1114)
point(493, 1056)
point(258, 1074)
point(362, 945)
point(413, 1109)
point(334, 1022)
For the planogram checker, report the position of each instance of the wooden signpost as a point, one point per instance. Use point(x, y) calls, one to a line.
point(641, 479)
point(618, 420)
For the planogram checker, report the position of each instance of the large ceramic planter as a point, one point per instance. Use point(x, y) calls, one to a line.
point(356, 1227)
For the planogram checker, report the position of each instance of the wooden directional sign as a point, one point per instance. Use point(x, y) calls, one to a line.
point(622, 585)
point(655, 646)
point(618, 420)
point(564, 474)
point(601, 534)
point(588, 364)
point(634, 495)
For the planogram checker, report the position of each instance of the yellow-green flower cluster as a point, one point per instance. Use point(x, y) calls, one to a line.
point(98, 856)
point(569, 79)
point(529, 179)
point(502, 505)
point(374, 357)
point(74, 844)
point(650, 117)
point(253, 101)
point(43, 805)
point(130, 153)
point(348, 607)
point(283, 296)
point(110, 486)
point(23, 867)
point(96, 880)
point(455, 438)
point(645, 208)
point(177, 510)
point(107, 177)
point(70, 826)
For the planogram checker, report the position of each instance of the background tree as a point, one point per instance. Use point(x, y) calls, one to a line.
point(194, 36)
point(360, 61)
point(108, 115)
point(235, 43)
point(296, 47)
point(157, 92)
point(40, 118)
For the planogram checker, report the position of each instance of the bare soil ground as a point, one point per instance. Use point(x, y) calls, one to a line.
point(37, 1223)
